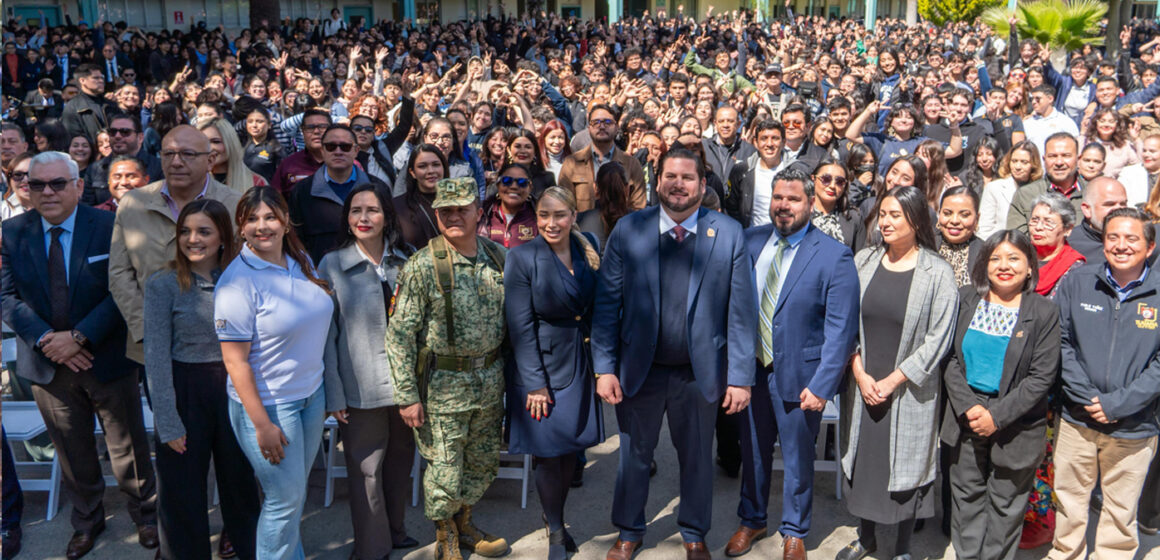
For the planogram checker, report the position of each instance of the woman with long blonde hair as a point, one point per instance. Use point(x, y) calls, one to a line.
point(229, 166)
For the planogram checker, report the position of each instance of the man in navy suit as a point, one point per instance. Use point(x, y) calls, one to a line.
point(54, 288)
point(807, 301)
point(672, 332)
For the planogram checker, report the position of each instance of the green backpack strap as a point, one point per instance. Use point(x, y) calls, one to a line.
point(444, 275)
point(494, 254)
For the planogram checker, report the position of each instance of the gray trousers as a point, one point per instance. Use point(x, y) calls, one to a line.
point(379, 449)
point(988, 501)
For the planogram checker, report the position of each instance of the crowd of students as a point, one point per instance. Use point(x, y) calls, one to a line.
point(229, 217)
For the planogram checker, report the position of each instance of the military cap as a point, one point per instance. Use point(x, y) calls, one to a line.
point(459, 191)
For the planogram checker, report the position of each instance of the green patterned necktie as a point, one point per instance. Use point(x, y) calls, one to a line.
point(769, 303)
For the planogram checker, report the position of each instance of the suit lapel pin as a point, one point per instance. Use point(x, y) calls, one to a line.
point(1019, 334)
point(711, 232)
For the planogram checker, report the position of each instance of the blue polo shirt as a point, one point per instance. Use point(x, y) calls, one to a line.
point(286, 319)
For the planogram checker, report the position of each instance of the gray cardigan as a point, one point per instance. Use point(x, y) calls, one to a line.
point(178, 327)
point(927, 332)
point(363, 376)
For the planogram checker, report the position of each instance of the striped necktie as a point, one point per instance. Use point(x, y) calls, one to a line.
point(769, 303)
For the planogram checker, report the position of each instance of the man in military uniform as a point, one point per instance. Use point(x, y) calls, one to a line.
point(443, 344)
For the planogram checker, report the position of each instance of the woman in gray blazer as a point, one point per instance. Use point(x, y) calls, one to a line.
point(890, 412)
point(362, 272)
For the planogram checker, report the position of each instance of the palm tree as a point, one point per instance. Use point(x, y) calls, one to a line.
point(1062, 25)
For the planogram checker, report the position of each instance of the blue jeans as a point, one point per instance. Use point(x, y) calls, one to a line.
point(284, 484)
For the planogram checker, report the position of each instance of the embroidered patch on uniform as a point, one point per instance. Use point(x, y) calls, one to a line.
point(526, 233)
point(220, 324)
point(1147, 318)
point(395, 297)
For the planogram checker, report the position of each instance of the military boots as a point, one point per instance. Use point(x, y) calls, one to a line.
point(446, 541)
point(477, 541)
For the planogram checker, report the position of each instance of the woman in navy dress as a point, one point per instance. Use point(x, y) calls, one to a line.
point(550, 286)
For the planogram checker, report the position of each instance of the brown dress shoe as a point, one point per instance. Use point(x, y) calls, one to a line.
point(792, 548)
point(697, 551)
point(82, 542)
point(743, 540)
point(147, 536)
point(622, 550)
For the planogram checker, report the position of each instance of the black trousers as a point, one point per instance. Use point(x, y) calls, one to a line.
point(13, 496)
point(202, 403)
point(68, 404)
point(988, 500)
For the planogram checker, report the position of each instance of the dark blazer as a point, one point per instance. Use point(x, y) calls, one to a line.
point(815, 323)
point(547, 326)
point(739, 188)
point(853, 229)
point(721, 314)
point(24, 292)
point(34, 105)
point(1030, 368)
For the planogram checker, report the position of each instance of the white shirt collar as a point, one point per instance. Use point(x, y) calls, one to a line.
point(668, 223)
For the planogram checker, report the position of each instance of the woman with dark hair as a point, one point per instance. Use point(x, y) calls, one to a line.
point(1110, 129)
point(554, 146)
point(887, 77)
point(379, 447)
point(820, 142)
point(612, 202)
point(958, 217)
point(1004, 361)
point(262, 152)
point(523, 149)
point(187, 390)
point(908, 308)
point(986, 167)
point(1093, 158)
point(81, 150)
point(493, 152)
point(50, 136)
point(906, 171)
point(439, 132)
point(416, 216)
point(862, 169)
point(901, 135)
point(938, 177)
point(832, 212)
point(166, 116)
point(273, 316)
point(509, 217)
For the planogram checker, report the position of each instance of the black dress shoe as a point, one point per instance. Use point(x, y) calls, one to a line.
point(732, 469)
point(11, 542)
point(82, 542)
point(855, 551)
point(578, 476)
point(147, 536)
point(569, 542)
point(226, 546)
point(407, 542)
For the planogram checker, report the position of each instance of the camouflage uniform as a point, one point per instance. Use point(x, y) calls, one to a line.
point(461, 438)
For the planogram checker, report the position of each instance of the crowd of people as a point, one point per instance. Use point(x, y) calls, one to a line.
point(464, 237)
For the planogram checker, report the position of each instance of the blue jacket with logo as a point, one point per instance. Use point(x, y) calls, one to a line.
point(1110, 350)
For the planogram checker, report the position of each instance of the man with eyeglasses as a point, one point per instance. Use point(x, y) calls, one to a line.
point(87, 113)
point(71, 347)
point(303, 164)
point(578, 172)
point(144, 236)
point(316, 201)
point(1045, 120)
point(126, 139)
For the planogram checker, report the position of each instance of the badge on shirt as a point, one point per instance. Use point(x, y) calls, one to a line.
point(1147, 318)
point(710, 232)
point(395, 296)
point(220, 325)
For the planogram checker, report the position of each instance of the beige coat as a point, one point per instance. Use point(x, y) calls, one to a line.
point(576, 175)
point(144, 241)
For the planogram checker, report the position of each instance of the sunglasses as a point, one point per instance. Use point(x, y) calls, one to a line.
point(56, 185)
point(18, 176)
point(603, 122)
point(340, 146)
point(793, 124)
point(828, 179)
point(121, 132)
point(507, 181)
point(362, 128)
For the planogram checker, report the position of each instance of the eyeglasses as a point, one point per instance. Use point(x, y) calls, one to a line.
point(603, 122)
point(185, 155)
point(361, 128)
point(793, 124)
point(337, 146)
point(827, 179)
point(507, 181)
point(56, 185)
point(1046, 223)
point(18, 176)
point(314, 127)
point(433, 138)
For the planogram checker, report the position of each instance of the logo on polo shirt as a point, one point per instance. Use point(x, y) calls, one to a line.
point(1147, 318)
point(220, 325)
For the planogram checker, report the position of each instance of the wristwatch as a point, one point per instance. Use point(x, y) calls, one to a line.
point(80, 338)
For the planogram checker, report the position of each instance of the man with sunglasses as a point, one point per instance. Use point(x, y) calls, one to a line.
point(126, 139)
point(71, 347)
point(316, 201)
point(303, 164)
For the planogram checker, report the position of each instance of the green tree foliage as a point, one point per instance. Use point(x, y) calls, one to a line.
point(942, 12)
point(1065, 25)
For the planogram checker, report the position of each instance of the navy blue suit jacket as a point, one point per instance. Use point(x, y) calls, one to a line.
point(546, 325)
point(24, 293)
point(721, 314)
point(815, 323)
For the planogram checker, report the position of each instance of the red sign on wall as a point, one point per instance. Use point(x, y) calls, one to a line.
point(178, 18)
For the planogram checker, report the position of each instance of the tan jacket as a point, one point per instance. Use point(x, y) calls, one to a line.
point(576, 175)
point(144, 241)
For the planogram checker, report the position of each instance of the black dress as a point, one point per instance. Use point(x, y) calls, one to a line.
point(883, 312)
